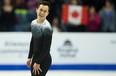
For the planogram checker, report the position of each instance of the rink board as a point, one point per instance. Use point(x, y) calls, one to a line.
point(70, 51)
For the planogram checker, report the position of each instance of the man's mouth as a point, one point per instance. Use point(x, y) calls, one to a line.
point(41, 15)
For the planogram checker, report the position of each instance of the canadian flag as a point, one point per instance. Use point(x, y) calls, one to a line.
point(74, 14)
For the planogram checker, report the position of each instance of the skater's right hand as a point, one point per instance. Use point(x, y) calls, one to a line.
point(29, 62)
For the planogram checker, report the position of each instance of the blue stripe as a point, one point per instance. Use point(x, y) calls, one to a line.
point(64, 67)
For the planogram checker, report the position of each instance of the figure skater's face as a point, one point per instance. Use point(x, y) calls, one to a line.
point(42, 12)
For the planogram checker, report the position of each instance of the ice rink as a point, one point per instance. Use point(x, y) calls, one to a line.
point(61, 73)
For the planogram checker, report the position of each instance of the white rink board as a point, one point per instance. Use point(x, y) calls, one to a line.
point(67, 48)
point(70, 51)
point(84, 48)
point(14, 47)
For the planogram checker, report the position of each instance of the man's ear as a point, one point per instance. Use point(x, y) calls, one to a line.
point(47, 13)
point(36, 10)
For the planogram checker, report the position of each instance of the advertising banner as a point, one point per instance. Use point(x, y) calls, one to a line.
point(68, 50)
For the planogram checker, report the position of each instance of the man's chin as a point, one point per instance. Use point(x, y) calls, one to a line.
point(41, 17)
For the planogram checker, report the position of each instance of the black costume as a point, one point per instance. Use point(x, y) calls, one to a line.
point(40, 46)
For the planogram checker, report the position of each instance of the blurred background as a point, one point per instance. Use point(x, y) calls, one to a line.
point(95, 15)
point(84, 37)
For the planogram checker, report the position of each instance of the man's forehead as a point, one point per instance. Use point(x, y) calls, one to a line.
point(41, 5)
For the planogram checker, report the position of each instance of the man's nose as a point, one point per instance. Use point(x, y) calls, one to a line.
point(42, 12)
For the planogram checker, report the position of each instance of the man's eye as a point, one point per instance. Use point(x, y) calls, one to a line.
point(40, 9)
point(44, 11)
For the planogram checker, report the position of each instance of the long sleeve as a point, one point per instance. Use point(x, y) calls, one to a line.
point(31, 49)
point(47, 33)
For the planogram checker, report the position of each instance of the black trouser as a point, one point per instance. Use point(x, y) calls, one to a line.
point(44, 65)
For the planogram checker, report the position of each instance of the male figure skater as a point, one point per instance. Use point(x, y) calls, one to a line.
point(39, 58)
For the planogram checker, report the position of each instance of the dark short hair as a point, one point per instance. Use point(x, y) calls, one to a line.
point(43, 3)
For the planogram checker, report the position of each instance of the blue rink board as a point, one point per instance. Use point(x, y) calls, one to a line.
point(65, 67)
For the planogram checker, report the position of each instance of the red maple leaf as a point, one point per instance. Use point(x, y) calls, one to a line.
point(75, 14)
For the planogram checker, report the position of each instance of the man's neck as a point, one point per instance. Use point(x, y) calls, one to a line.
point(40, 21)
